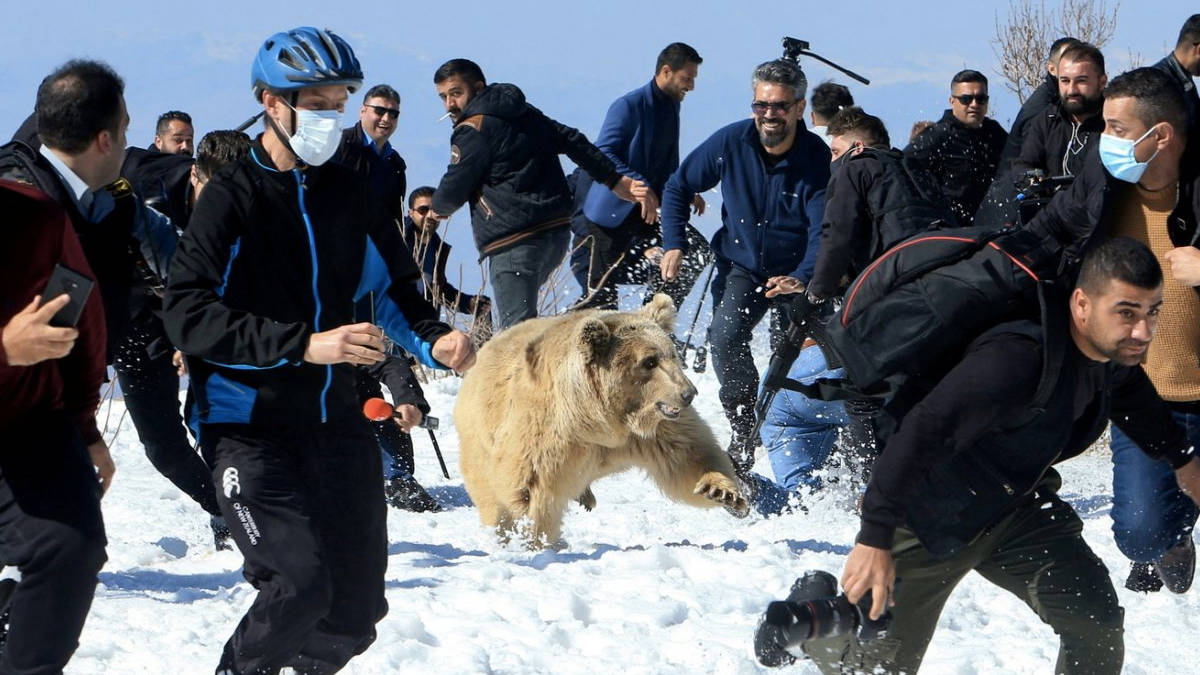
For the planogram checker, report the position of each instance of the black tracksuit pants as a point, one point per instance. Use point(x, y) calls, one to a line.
point(306, 510)
point(151, 389)
point(52, 531)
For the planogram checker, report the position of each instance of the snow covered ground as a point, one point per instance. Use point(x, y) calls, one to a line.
point(644, 585)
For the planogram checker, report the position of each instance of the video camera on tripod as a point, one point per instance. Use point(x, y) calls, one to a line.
point(813, 610)
point(793, 49)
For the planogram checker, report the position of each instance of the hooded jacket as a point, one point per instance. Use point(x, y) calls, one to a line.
point(504, 161)
point(963, 159)
point(1047, 144)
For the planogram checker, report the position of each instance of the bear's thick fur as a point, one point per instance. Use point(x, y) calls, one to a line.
point(553, 404)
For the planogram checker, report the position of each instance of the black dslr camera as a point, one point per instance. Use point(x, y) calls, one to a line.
point(1035, 189)
point(813, 610)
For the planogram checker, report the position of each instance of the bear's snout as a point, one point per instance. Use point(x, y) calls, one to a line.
point(687, 395)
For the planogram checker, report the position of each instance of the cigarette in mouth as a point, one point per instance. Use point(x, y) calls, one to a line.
point(443, 117)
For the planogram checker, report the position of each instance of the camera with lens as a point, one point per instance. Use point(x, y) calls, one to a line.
point(1035, 189)
point(813, 610)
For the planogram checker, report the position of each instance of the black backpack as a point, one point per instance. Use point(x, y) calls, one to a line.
point(911, 313)
point(905, 201)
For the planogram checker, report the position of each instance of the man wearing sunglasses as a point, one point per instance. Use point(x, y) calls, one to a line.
point(366, 149)
point(772, 172)
point(963, 149)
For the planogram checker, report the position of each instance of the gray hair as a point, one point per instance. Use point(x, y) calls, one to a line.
point(781, 72)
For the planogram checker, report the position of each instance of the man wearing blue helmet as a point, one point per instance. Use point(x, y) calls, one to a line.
point(261, 301)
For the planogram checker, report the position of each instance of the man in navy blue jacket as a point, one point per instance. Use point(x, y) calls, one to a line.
point(772, 173)
point(641, 136)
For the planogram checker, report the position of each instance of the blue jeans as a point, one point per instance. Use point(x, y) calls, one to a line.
point(1150, 513)
point(798, 433)
point(517, 274)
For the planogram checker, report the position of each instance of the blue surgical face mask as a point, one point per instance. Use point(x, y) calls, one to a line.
point(1117, 154)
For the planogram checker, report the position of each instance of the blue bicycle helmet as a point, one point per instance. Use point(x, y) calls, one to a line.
point(304, 57)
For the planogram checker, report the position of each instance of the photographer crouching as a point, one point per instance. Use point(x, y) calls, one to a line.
point(965, 483)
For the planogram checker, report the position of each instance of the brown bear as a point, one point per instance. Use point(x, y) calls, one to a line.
point(555, 403)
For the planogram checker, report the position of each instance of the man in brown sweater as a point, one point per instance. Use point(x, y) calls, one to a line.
point(1143, 146)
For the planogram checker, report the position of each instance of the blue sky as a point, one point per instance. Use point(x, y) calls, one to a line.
point(571, 59)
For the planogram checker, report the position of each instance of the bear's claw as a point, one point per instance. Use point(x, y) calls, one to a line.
point(720, 489)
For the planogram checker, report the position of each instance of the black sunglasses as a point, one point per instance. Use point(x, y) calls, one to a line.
point(781, 107)
point(382, 111)
point(966, 99)
point(422, 209)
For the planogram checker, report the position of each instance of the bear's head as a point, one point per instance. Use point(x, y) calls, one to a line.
point(633, 365)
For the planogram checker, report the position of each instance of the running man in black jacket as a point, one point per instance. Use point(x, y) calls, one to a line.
point(260, 300)
point(966, 481)
point(504, 160)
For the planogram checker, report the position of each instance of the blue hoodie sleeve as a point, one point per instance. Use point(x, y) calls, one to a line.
point(699, 171)
point(403, 314)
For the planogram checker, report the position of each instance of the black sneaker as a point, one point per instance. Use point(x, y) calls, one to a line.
point(405, 493)
point(1177, 567)
point(1143, 578)
point(222, 537)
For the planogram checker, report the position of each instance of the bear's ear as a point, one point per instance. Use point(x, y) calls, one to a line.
point(595, 339)
point(661, 311)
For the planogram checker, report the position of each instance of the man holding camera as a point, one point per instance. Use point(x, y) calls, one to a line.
point(966, 483)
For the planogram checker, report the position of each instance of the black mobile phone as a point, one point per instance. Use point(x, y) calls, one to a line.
point(66, 280)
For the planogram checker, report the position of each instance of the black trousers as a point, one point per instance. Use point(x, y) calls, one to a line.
point(598, 252)
point(1038, 554)
point(305, 507)
point(738, 305)
point(51, 530)
point(151, 390)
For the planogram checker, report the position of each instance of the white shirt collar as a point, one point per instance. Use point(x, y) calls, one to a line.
point(79, 189)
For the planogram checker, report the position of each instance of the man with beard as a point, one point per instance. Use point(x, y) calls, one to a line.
point(963, 149)
point(641, 136)
point(1045, 96)
point(966, 482)
point(772, 172)
point(504, 161)
point(174, 134)
point(1058, 139)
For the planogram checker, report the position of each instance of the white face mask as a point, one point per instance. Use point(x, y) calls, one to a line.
point(318, 133)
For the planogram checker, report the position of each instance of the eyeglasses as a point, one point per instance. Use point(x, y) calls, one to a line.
point(760, 108)
point(422, 209)
point(382, 111)
point(966, 99)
